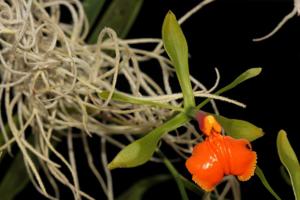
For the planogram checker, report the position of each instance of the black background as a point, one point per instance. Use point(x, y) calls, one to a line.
point(220, 35)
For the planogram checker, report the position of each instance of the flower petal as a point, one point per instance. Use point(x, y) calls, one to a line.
point(205, 167)
point(242, 158)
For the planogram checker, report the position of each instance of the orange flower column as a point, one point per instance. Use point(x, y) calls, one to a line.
point(219, 155)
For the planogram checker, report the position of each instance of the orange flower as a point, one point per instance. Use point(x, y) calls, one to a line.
point(219, 155)
point(208, 124)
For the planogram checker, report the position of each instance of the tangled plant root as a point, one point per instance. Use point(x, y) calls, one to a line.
point(50, 85)
point(286, 18)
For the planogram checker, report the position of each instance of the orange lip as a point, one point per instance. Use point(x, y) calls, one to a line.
point(219, 155)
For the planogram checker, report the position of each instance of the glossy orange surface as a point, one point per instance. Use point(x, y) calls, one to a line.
point(208, 124)
point(218, 156)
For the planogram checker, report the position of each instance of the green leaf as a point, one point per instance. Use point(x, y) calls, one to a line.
point(177, 178)
point(136, 191)
point(15, 178)
point(119, 16)
point(92, 10)
point(239, 128)
point(122, 97)
point(141, 150)
point(289, 160)
point(250, 73)
point(264, 181)
point(176, 47)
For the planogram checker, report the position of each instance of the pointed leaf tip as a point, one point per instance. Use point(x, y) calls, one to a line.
point(289, 159)
point(111, 166)
point(248, 74)
point(141, 150)
point(239, 128)
point(135, 154)
point(177, 49)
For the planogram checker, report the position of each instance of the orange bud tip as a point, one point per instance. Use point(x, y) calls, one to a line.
point(208, 124)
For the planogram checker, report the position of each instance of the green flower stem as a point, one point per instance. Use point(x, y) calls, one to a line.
point(176, 176)
point(264, 181)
